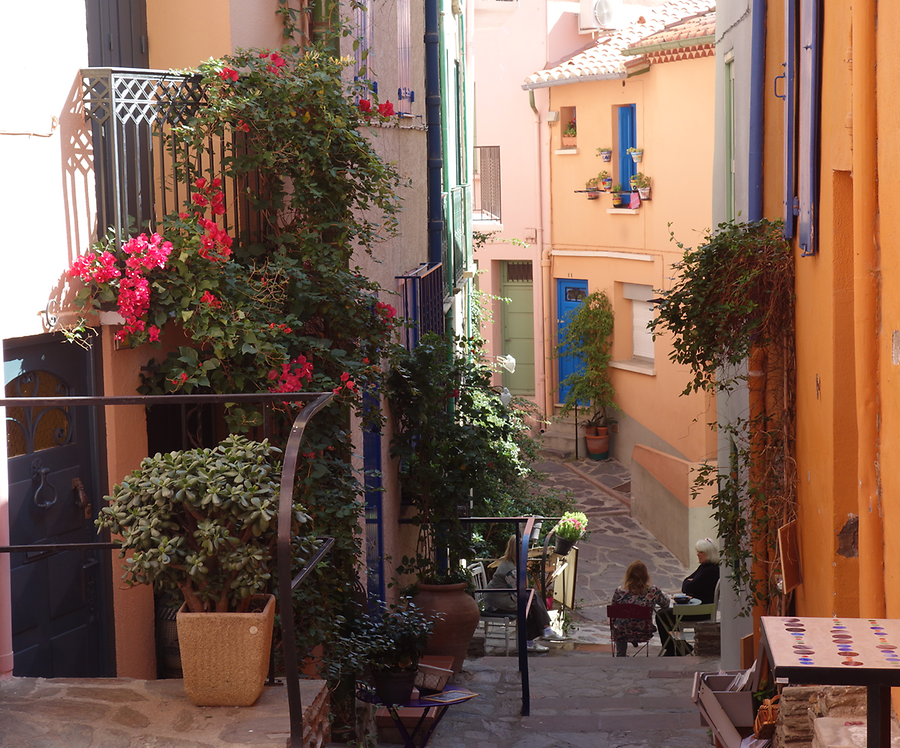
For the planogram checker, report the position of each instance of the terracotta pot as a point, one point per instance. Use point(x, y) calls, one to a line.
point(569, 140)
point(459, 618)
point(598, 446)
point(225, 656)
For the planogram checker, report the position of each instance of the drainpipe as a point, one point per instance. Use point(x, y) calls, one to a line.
point(544, 254)
point(6, 648)
point(435, 160)
point(757, 110)
point(756, 385)
point(865, 309)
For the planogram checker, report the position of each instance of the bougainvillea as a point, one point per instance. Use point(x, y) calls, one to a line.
point(274, 306)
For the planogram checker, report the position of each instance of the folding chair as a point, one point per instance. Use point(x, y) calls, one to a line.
point(629, 611)
point(490, 616)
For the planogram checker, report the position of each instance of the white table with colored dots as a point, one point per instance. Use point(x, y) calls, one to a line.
point(839, 652)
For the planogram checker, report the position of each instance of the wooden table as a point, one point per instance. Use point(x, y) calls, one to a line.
point(840, 652)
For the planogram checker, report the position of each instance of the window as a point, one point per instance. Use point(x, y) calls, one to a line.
point(730, 207)
point(643, 358)
point(405, 94)
point(363, 73)
point(627, 139)
point(802, 98)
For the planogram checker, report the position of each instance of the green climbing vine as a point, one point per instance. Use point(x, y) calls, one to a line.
point(731, 314)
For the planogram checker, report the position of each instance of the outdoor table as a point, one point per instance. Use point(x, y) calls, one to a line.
point(367, 695)
point(840, 652)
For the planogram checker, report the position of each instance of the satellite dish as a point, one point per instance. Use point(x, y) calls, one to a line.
point(604, 13)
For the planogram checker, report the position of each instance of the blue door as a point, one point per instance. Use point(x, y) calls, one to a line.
point(569, 294)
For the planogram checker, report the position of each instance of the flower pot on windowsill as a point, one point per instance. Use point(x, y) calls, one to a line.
point(618, 199)
point(569, 141)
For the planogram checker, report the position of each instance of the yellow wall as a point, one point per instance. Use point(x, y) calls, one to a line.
point(675, 122)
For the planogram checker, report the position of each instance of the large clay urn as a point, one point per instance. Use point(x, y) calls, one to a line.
point(457, 620)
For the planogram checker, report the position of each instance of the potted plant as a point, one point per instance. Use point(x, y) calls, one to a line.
point(617, 196)
point(202, 521)
point(442, 454)
point(569, 133)
point(587, 338)
point(605, 153)
point(641, 182)
point(568, 531)
point(605, 181)
point(637, 154)
point(593, 188)
point(388, 644)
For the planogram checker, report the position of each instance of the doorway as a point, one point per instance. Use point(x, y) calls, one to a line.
point(517, 321)
point(60, 598)
point(569, 294)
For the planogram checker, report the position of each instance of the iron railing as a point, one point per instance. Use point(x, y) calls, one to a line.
point(486, 198)
point(315, 401)
point(422, 300)
point(133, 113)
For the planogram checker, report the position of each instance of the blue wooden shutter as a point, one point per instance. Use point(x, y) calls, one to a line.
point(405, 93)
point(789, 97)
point(809, 114)
point(627, 139)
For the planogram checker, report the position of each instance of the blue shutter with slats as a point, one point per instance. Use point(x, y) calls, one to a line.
point(809, 114)
point(789, 97)
point(627, 139)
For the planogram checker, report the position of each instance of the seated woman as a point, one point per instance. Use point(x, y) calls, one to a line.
point(636, 590)
point(701, 584)
point(537, 624)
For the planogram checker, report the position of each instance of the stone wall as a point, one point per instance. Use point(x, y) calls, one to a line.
point(802, 705)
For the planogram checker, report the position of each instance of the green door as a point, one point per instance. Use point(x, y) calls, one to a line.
point(517, 320)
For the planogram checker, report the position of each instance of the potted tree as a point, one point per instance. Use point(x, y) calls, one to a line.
point(641, 182)
point(593, 188)
point(587, 337)
point(441, 455)
point(605, 153)
point(387, 645)
point(637, 154)
point(202, 522)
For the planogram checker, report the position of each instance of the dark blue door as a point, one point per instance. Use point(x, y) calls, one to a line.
point(569, 294)
point(60, 613)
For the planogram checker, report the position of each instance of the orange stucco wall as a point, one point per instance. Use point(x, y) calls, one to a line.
point(675, 121)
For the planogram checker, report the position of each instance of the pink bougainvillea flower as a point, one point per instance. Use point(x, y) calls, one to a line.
point(386, 109)
point(199, 199)
point(228, 73)
point(365, 105)
point(200, 183)
point(153, 333)
point(211, 300)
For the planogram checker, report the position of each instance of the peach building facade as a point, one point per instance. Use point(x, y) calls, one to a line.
point(648, 84)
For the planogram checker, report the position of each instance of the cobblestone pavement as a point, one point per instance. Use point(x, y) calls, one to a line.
point(581, 696)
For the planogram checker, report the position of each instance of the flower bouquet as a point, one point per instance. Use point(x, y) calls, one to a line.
point(569, 530)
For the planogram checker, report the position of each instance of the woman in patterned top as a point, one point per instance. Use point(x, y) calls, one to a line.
point(637, 590)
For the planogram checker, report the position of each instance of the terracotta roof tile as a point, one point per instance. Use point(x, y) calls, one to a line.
point(605, 58)
point(683, 30)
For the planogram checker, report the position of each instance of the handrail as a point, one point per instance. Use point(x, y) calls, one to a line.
point(316, 401)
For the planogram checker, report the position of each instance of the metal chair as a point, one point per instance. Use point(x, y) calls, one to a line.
point(479, 575)
point(629, 611)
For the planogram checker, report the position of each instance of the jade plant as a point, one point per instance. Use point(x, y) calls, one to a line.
point(202, 521)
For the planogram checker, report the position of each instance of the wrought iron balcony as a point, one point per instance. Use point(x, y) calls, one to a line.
point(486, 207)
point(133, 113)
point(422, 299)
